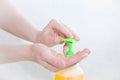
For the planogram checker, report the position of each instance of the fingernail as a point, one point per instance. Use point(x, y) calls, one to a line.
point(87, 51)
point(71, 36)
point(85, 55)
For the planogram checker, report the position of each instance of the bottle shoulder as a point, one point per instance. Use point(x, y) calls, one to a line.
point(74, 70)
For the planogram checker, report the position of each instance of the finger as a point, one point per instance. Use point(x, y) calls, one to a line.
point(48, 66)
point(60, 42)
point(65, 48)
point(73, 33)
point(77, 57)
point(57, 26)
point(59, 39)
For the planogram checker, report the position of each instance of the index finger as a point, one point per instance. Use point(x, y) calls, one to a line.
point(59, 28)
point(72, 32)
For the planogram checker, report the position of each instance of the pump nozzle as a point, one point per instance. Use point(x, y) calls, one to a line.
point(70, 42)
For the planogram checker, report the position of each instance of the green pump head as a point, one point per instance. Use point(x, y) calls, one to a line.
point(70, 42)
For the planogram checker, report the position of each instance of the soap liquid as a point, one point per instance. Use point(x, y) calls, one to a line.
point(77, 77)
point(72, 73)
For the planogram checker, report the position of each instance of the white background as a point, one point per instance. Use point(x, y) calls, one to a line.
point(97, 22)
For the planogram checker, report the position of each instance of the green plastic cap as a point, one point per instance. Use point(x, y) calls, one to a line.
point(70, 42)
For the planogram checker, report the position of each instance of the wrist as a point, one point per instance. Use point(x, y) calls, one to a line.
point(24, 52)
point(39, 37)
point(36, 51)
point(29, 55)
point(14, 53)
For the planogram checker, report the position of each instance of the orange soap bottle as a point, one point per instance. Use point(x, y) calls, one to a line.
point(74, 72)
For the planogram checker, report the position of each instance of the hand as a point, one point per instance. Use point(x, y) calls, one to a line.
point(54, 32)
point(54, 61)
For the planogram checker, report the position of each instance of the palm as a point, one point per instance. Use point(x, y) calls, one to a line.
point(53, 61)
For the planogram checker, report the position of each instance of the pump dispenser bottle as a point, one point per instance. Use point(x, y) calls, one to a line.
point(71, 73)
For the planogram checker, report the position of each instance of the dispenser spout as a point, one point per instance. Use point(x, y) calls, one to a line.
point(70, 42)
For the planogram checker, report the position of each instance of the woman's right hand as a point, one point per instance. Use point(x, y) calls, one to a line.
point(54, 61)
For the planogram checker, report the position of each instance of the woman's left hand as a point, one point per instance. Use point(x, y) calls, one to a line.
point(54, 32)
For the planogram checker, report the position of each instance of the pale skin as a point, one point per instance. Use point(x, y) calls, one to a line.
point(13, 22)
